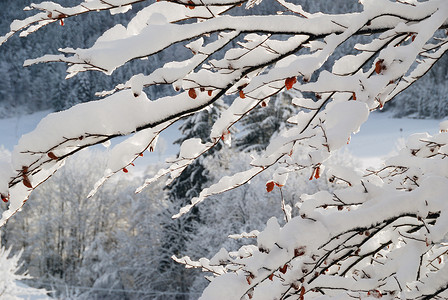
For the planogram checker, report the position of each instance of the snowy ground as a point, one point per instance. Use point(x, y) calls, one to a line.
point(32, 297)
point(379, 137)
point(382, 135)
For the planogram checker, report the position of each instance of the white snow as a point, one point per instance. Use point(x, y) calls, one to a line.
point(381, 136)
point(378, 138)
point(13, 128)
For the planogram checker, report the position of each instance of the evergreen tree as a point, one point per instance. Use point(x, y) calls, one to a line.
point(177, 233)
point(264, 121)
point(5, 87)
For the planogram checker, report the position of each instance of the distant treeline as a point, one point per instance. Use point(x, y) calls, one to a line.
point(42, 87)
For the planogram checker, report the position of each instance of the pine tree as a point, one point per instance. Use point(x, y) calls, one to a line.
point(177, 233)
point(264, 121)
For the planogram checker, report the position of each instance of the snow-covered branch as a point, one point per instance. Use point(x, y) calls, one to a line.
point(393, 246)
point(263, 64)
point(395, 240)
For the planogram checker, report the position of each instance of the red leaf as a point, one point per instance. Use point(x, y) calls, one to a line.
point(317, 173)
point(52, 156)
point(302, 293)
point(224, 135)
point(250, 294)
point(354, 96)
point(191, 6)
point(62, 22)
point(271, 277)
point(192, 93)
point(5, 199)
point(375, 294)
point(299, 251)
point(289, 82)
point(284, 268)
point(125, 170)
point(26, 182)
point(209, 93)
point(379, 66)
point(270, 186)
point(242, 96)
point(249, 278)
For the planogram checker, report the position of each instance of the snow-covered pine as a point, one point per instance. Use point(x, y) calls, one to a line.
point(175, 235)
point(264, 122)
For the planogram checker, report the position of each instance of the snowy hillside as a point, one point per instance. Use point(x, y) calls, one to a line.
point(382, 135)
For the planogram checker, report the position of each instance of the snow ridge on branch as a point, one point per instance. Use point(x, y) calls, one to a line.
point(258, 67)
point(393, 247)
point(397, 252)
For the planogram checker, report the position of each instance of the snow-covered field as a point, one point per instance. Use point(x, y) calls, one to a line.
point(382, 135)
point(379, 137)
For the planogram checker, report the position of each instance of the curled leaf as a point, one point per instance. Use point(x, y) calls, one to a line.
point(289, 82)
point(283, 269)
point(270, 186)
point(317, 173)
point(26, 182)
point(191, 4)
point(4, 198)
point(52, 156)
point(192, 93)
point(379, 66)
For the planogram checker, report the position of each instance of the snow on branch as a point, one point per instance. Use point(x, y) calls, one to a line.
point(394, 244)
